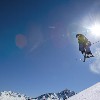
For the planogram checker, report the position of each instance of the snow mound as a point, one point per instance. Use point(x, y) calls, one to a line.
point(91, 93)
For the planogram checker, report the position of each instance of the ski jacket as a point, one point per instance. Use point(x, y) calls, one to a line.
point(82, 39)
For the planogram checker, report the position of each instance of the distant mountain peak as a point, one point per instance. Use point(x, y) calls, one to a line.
point(9, 95)
point(65, 94)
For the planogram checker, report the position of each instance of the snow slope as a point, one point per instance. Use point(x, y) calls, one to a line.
point(91, 93)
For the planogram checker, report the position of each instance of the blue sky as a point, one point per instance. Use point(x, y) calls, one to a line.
point(38, 49)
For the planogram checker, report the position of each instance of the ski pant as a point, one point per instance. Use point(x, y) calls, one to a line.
point(88, 49)
point(83, 48)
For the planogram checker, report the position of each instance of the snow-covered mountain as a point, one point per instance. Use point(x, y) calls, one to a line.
point(91, 93)
point(8, 95)
point(57, 96)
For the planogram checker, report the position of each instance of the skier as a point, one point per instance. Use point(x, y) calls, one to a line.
point(84, 45)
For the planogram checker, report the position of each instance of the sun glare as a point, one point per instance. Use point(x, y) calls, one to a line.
point(95, 30)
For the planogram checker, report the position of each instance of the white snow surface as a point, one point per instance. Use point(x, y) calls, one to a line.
point(91, 93)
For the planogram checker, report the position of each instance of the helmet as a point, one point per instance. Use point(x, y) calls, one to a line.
point(77, 35)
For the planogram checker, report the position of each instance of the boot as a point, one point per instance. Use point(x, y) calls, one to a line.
point(90, 54)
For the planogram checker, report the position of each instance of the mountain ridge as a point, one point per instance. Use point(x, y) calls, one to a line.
point(9, 95)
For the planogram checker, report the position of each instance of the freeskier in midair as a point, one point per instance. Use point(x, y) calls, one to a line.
point(84, 46)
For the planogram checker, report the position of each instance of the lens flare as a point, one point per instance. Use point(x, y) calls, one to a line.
point(21, 41)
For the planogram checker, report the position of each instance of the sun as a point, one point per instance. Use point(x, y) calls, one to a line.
point(95, 30)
